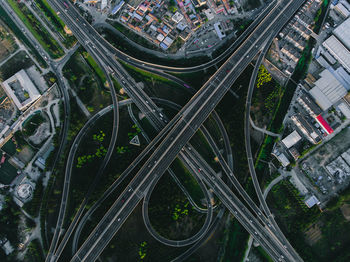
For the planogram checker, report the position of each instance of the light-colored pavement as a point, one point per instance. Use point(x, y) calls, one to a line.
point(267, 132)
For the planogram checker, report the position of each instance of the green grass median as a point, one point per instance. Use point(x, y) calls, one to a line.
point(37, 29)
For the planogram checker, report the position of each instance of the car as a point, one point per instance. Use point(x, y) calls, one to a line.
point(199, 169)
point(118, 219)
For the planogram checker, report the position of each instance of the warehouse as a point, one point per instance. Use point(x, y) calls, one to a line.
point(342, 32)
point(338, 51)
point(328, 90)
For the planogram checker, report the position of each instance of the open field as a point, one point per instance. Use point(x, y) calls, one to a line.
point(7, 173)
point(89, 86)
point(19, 61)
point(7, 42)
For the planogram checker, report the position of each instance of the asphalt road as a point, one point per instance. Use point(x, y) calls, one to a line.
point(187, 122)
point(55, 250)
point(250, 158)
point(146, 105)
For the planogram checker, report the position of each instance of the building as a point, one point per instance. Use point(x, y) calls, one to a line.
point(328, 90)
point(103, 4)
point(311, 201)
point(21, 90)
point(344, 108)
point(294, 153)
point(168, 41)
point(209, 14)
point(310, 132)
point(218, 30)
point(342, 32)
point(346, 156)
point(185, 34)
point(282, 159)
point(309, 105)
point(23, 191)
point(291, 139)
point(338, 169)
point(338, 51)
point(341, 10)
point(177, 17)
point(325, 126)
point(117, 7)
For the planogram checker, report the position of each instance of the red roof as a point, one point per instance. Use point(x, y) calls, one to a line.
point(324, 124)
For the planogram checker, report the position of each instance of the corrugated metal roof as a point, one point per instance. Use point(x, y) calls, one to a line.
point(342, 32)
point(338, 50)
point(328, 90)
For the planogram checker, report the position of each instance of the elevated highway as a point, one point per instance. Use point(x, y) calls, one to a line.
point(184, 125)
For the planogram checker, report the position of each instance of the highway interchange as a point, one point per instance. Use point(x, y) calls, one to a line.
point(172, 140)
point(137, 189)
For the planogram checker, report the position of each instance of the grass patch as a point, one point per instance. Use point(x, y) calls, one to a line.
point(32, 123)
point(95, 67)
point(88, 85)
point(7, 173)
point(170, 212)
point(237, 240)
point(19, 61)
point(34, 251)
point(9, 147)
point(188, 181)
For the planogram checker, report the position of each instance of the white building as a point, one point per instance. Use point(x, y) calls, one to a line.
point(21, 90)
point(311, 201)
point(177, 17)
point(218, 30)
point(291, 139)
point(338, 51)
point(328, 90)
point(342, 32)
point(103, 4)
point(340, 9)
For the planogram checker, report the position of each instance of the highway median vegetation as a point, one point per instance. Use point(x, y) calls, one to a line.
point(56, 21)
point(35, 27)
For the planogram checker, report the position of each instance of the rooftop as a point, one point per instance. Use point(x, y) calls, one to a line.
point(328, 90)
point(342, 32)
point(21, 90)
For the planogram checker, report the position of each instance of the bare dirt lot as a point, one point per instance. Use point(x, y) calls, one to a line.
point(313, 234)
point(345, 209)
point(7, 43)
